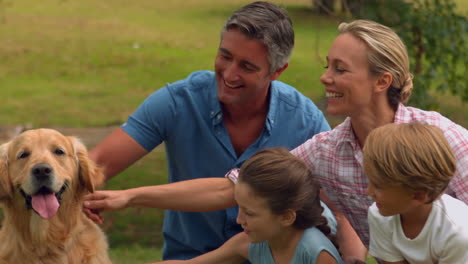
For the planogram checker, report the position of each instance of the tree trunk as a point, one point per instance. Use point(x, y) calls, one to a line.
point(324, 7)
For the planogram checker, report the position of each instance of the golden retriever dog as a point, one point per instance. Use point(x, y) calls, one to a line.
point(43, 178)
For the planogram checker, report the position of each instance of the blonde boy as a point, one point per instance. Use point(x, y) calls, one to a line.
point(412, 221)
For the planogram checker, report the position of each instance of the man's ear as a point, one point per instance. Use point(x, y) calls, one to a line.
point(276, 74)
point(383, 82)
point(6, 188)
point(288, 218)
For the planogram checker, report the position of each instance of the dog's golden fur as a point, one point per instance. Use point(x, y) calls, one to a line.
point(60, 236)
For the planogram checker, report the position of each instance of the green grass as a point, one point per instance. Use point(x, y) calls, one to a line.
point(91, 63)
point(142, 226)
point(135, 254)
point(85, 63)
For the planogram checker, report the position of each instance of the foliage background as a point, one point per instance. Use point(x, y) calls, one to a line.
point(89, 64)
point(436, 34)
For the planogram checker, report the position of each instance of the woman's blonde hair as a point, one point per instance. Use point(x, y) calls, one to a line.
point(387, 53)
point(414, 156)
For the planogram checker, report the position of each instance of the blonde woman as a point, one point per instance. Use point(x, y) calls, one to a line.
point(367, 79)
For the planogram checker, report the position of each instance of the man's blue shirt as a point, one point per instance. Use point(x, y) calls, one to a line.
point(187, 117)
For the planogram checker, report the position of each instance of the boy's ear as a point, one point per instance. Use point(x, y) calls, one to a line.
point(288, 218)
point(420, 196)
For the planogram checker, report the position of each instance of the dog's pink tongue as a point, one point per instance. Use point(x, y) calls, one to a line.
point(46, 205)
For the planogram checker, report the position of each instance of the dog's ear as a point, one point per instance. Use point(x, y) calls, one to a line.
point(90, 175)
point(6, 188)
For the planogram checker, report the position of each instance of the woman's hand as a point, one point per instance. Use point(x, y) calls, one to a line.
point(100, 201)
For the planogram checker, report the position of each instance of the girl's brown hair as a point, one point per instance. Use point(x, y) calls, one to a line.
point(287, 184)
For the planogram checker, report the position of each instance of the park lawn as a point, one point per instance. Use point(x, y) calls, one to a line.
point(97, 60)
point(91, 63)
point(136, 254)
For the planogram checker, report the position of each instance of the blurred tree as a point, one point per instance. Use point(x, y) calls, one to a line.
point(436, 37)
point(325, 7)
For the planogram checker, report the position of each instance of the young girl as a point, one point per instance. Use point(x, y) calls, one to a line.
point(280, 212)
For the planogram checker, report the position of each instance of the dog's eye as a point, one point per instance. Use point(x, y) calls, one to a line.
point(23, 155)
point(59, 152)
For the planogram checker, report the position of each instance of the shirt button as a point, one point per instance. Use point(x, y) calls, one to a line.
point(218, 116)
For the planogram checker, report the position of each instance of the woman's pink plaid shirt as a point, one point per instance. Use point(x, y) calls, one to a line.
point(335, 157)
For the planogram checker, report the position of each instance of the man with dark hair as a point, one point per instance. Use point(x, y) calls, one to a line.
point(211, 122)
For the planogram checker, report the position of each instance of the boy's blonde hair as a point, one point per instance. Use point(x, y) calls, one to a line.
point(414, 156)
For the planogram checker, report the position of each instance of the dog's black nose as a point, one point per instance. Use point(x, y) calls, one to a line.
point(42, 171)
